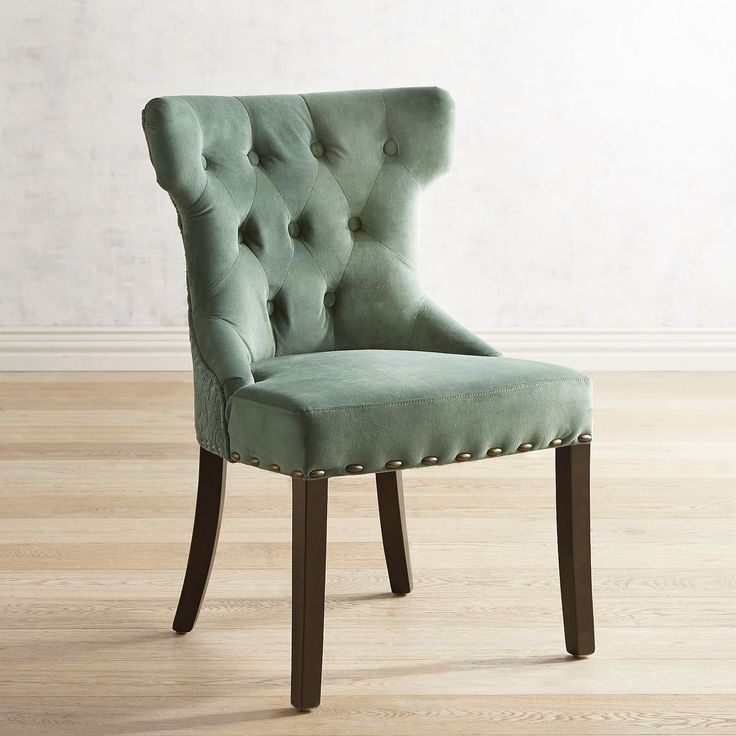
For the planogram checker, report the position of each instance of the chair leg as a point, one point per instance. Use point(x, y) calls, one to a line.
point(309, 551)
point(207, 517)
point(572, 466)
point(393, 530)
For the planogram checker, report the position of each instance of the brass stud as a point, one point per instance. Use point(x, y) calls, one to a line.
point(254, 461)
point(429, 460)
point(495, 452)
point(462, 457)
point(275, 468)
point(393, 465)
point(235, 457)
point(555, 442)
point(525, 447)
point(354, 468)
point(316, 473)
point(584, 438)
point(297, 474)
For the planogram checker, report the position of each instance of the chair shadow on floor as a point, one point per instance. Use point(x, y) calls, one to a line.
point(172, 710)
point(203, 722)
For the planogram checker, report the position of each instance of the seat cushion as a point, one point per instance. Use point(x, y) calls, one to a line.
point(330, 410)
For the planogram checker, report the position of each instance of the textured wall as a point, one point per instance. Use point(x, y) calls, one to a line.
point(595, 170)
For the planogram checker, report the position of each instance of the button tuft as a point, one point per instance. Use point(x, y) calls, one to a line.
point(318, 150)
point(269, 308)
point(390, 147)
point(329, 299)
point(294, 229)
point(354, 224)
point(254, 158)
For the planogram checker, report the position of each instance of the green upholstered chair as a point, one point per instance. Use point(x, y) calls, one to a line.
point(316, 353)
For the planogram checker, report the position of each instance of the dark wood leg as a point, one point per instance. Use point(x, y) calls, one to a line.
point(393, 530)
point(572, 465)
point(210, 498)
point(308, 558)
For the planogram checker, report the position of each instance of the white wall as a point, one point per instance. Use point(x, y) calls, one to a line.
point(595, 175)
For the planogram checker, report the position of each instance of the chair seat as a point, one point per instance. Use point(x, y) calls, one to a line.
point(331, 410)
point(364, 409)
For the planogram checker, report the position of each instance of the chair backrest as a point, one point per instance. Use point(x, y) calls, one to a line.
point(298, 214)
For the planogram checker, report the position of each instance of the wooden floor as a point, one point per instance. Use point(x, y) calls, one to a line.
point(98, 474)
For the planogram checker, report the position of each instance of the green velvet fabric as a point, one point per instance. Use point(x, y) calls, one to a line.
point(299, 220)
point(368, 407)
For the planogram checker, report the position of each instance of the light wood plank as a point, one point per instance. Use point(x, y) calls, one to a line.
point(96, 503)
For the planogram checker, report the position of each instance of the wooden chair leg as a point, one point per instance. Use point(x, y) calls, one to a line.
point(393, 530)
point(309, 551)
point(207, 517)
point(572, 466)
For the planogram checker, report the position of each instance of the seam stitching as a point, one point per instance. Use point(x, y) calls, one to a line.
point(329, 168)
point(347, 203)
point(392, 251)
point(201, 127)
point(410, 172)
point(237, 332)
point(293, 250)
point(469, 394)
point(415, 318)
point(210, 289)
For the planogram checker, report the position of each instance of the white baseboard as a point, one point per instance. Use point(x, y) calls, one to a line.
point(167, 348)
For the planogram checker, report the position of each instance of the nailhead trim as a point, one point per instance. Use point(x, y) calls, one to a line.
point(356, 468)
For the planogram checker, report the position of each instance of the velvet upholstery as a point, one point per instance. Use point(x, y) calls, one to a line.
point(314, 346)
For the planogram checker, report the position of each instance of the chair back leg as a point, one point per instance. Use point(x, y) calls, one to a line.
point(572, 466)
point(207, 517)
point(393, 530)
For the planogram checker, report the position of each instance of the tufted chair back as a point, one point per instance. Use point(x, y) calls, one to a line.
point(298, 214)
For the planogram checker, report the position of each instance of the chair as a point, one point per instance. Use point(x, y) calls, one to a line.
point(315, 352)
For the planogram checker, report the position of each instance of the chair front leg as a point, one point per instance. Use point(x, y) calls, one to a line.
point(207, 517)
point(572, 466)
point(393, 530)
point(309, 552)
